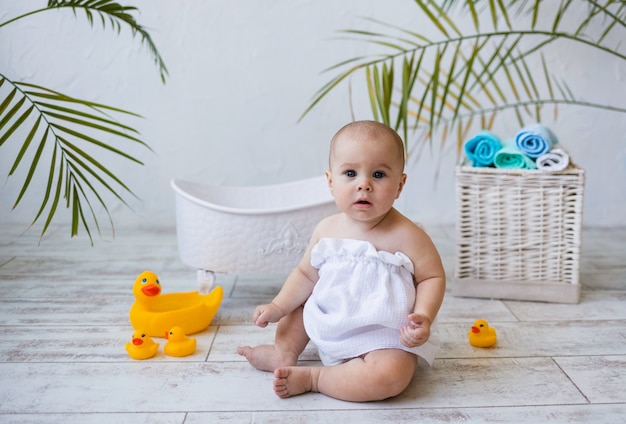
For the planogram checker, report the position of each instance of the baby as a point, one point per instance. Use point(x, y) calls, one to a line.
point(367, 289)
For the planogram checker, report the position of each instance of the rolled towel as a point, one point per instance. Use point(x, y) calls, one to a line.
point(555, 160)
point(535, 140)
point(509, 157)
point(482, 148)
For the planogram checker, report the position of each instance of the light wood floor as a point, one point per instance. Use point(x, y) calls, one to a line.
point(64, 323)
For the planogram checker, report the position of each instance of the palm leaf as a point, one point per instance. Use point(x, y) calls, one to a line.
point(72, 134)
point(34, 163)
point(65, 128)
point(496, 75)
point(115, 14)
point(57, 194)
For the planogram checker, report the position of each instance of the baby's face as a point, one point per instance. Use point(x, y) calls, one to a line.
point(366, 173)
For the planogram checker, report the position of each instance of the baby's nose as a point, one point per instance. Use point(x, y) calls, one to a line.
point(365, 185)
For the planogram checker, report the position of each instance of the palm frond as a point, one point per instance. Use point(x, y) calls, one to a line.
point(71, 134)
point(69, 137)
point(482, 73)
point(114, 14)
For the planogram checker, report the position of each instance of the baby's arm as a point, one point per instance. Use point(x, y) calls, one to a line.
point(428, 299)
point(295, 291)
point(417, 332)
point(430, 282)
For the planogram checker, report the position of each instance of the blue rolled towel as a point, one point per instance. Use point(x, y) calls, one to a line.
point(509, 157)
point(535, 140)
point(482, 148)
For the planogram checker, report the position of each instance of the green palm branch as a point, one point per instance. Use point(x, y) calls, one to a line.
point(451, 84)
point(63, 137)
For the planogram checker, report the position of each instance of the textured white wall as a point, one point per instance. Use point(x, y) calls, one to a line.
point(242, 72)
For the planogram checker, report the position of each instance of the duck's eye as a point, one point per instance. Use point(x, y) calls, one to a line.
point(144, 281)
point(482, 325)
point(157, 282)
point(143, 335)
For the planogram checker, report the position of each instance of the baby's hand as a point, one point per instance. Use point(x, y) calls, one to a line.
point(417, 332)
point(264, 314)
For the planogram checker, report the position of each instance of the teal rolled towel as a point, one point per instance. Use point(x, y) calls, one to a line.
point(535, 140)
point(482, 148)
point(509, 157)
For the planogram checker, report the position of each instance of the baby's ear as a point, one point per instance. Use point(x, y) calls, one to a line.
point(401, 186)
point(329, 179)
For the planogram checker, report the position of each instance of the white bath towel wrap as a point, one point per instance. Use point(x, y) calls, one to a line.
point(361, 300)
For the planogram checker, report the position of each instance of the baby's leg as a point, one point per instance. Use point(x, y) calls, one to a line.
point(289, 342)
point(378, 375)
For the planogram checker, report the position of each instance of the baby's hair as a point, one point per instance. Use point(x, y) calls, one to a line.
point(370, 127)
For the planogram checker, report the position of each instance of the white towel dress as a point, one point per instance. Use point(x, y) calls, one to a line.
point(361, 300)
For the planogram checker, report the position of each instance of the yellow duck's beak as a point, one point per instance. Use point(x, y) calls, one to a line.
point(151, 290)
point(475, 330)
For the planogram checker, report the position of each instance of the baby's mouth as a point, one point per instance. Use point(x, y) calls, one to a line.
point(363, 202)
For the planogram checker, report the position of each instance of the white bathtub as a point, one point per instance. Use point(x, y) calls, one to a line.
point(256, 229)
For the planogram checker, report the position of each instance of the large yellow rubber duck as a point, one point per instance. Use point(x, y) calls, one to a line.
point(141, 346)
point(481, 335)
point(178, 343)
point(156, 313)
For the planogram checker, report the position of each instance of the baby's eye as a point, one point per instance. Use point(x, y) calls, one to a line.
point(350, 173)
point(379, 174)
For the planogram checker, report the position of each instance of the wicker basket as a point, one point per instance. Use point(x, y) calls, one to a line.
point(518, 234)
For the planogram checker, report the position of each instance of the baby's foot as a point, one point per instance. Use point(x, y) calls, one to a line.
point(267, 357)
point(292, 381)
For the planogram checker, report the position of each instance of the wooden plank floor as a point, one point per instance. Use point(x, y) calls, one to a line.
point(64, 323)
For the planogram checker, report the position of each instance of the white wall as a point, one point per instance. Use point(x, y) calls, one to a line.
point(242, 72)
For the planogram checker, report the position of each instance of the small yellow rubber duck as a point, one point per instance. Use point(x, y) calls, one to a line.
point(481, 335)
point(178, 343)
point(141, 346)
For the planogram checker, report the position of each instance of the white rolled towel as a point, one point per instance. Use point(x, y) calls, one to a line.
point(555, 160)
